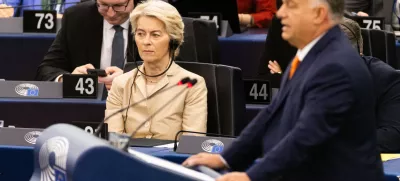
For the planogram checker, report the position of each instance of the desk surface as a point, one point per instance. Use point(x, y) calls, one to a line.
point(59, 101)
point(251, 35)
point(28, 35)
point(41, 113)
point(15, 161)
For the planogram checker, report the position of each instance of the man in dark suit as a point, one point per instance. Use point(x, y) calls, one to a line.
point(94, 34)
point(387, 89)
point(321, 126)
point(387, 92)
point(386, 83)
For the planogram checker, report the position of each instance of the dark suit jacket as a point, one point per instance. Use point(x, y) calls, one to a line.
point(321, 126)
point(78, 42)
point(387, 89)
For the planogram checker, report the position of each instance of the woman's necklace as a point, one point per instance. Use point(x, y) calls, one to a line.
point(149, 80)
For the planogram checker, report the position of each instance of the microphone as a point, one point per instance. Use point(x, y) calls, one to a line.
point(100, 127)
point(191, 83)
point(209, 134)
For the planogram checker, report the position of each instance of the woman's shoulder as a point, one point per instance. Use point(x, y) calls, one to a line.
point(186, 73)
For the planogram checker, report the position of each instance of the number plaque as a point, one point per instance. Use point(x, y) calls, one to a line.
point(39, 21)
point(80, 86)
point(257, 91)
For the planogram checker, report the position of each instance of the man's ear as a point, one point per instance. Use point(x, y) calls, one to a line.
point(321, 13)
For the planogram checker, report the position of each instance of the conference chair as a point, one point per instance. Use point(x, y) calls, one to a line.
point(387, 13)
point(200, 45)
point(200, 41)
point(225, 99)
point(380, 44)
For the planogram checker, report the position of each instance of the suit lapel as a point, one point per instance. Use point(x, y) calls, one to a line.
point(141, 82)
point(284, 91)
point(287, 84)
point(96, 38)
point(163, 82)
point(285, 76)
point(173, 70)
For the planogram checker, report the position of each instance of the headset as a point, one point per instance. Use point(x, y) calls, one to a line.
point(173, 45)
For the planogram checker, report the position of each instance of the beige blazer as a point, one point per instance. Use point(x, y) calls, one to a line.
point(188, 111)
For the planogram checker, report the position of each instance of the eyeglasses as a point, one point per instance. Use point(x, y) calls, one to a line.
point(116, 8)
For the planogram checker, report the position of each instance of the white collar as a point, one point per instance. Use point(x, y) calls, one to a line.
point(109, 26)
point(302, 53)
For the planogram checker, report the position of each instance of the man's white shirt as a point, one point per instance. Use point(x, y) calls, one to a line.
point(106, 47)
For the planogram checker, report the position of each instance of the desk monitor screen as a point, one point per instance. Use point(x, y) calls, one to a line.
point(227, 8)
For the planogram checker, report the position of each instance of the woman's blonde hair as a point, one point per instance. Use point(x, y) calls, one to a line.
point(164, 12)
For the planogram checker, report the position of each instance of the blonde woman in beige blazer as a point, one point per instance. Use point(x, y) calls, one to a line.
point(158, 33)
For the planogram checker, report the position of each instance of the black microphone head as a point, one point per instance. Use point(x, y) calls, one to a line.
point(184, 81)
point(192, 83)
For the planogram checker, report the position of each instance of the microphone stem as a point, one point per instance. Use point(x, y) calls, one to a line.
point(99, 128)
point(126, 146)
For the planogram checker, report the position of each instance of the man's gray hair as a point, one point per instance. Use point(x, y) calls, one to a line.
point(336, 8)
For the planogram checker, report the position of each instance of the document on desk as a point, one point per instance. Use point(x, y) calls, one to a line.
point(387, 157)
point(397, 33)
point(170, 166)
point(391, 163)
point(171, 145)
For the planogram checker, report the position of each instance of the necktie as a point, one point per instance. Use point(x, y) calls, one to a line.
point(117, 56)
point(293, 67)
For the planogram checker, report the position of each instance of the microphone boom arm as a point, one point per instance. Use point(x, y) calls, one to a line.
point(191, 83)
point(99, 128)
point(126, 146)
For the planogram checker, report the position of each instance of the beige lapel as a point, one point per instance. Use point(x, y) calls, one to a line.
point(173, 70)
point(141, 82)
point(163, 82)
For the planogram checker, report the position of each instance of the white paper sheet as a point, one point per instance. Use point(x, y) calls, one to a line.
point(170, 145)
point(170, 166)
